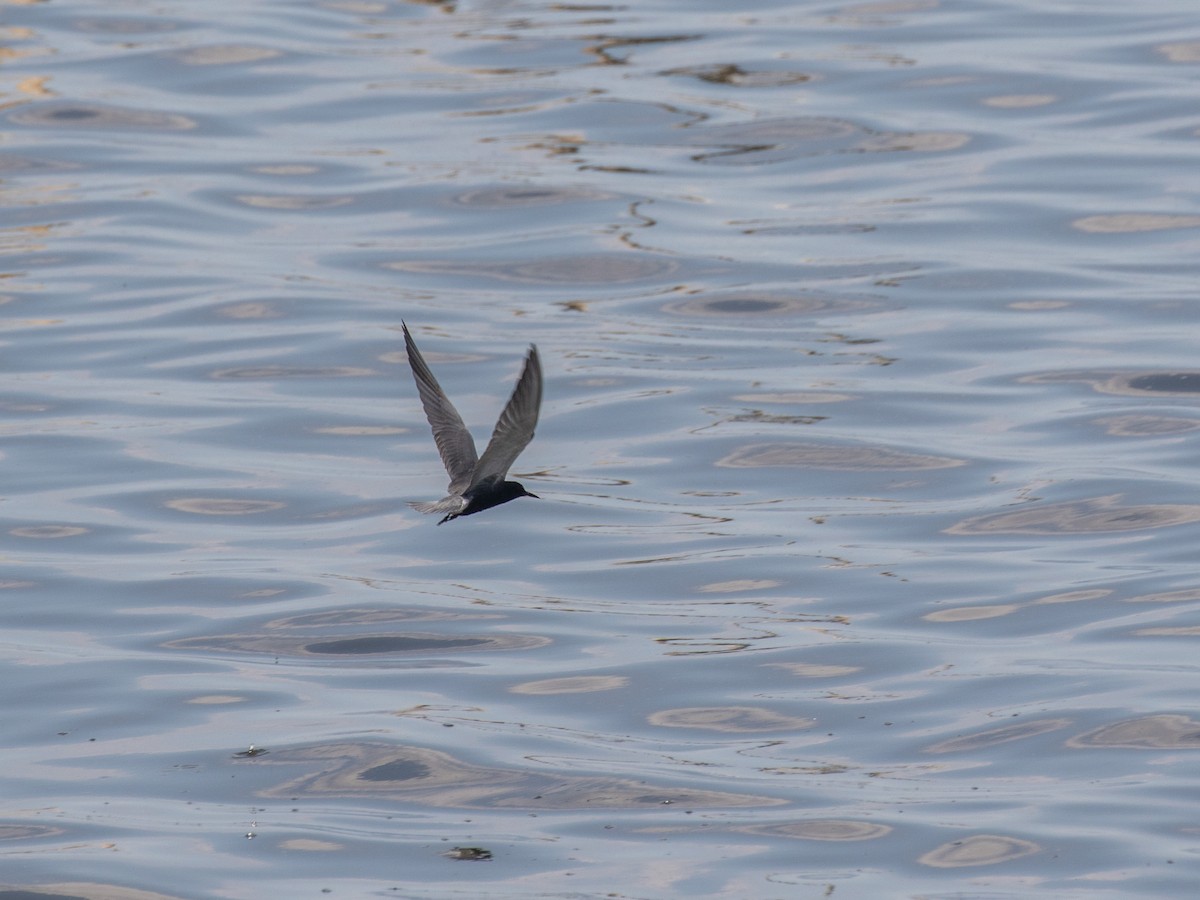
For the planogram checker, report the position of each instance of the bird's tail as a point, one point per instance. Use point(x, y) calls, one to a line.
point(451, 504)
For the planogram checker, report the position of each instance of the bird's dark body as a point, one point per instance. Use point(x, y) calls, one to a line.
point(487, 495)
point(477, 482)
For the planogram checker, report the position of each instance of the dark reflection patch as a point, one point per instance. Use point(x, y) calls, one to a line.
point(994, 736)
point(1154, 384)
point(824, 830)
point(523, 196)
point(273, 373)
point(397, 770)
point(1167, 732)
point(394, 644)
point(739, 719)
point(774, 140)
point(436, 779)
point(769, 304)
point(845, 458)
point(1167, 382)
point(777, 140)
point(735, 76)
point(588, 269)
point(978, 850)
point(1102, 514)
point(64, 114)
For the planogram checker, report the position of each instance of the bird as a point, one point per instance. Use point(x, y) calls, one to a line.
point(476, 482)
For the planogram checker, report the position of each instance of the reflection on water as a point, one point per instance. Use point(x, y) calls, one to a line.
point(867, 458)
point(435, 779)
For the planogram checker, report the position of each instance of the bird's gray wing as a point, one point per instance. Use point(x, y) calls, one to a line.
point(453, 441)
point(514, 428)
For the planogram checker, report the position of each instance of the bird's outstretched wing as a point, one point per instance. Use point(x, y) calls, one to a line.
point(514, 428)
point(453, 441)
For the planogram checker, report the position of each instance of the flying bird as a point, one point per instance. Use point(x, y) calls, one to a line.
point(477, 482)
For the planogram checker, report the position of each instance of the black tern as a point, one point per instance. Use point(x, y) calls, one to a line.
point(477, 482)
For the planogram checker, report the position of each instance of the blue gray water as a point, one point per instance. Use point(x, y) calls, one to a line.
point(866, 564)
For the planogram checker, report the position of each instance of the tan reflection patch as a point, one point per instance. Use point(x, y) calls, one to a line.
point(309, 845)
point(846, 458)
point(793, 398)
point(978, 850)
point(420, 776)
point(1166, 597)
point(23, 832)
point(293, 201)
point(824, 830)
point(919, 142)
point(1170, 631)
point(13, 585)
point(597, 269)
point(218, 506)
point(1124, 223)
point(994, 736)
point(49, 531)
point(325, 621)
point(889, 7)
point(285, 169)
point(1101, 515)
point(217, 699)
point(527, 196)
point(1039, 304)
point(1184, 52)
point(814, 670)
point(740, 719)
point(361, 430)
point(250, 311)
point(1142, 426)
point(276, 372)
point(972, 613)
point(1074, 596)
point(581, 684)
point(225, 55)
point(734, 587)
point(89, 890)
point(1169, 732)
point(1020, 101)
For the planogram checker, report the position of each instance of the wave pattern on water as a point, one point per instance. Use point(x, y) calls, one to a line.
point(867, 459)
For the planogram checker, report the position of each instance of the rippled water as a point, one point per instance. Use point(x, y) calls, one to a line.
point(866, 561)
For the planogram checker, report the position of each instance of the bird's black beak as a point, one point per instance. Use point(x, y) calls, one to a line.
point(534, 496)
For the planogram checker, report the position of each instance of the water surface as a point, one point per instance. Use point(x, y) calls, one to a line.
point(865, 564)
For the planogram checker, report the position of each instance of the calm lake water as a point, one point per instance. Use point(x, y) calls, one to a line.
point(866, 560)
